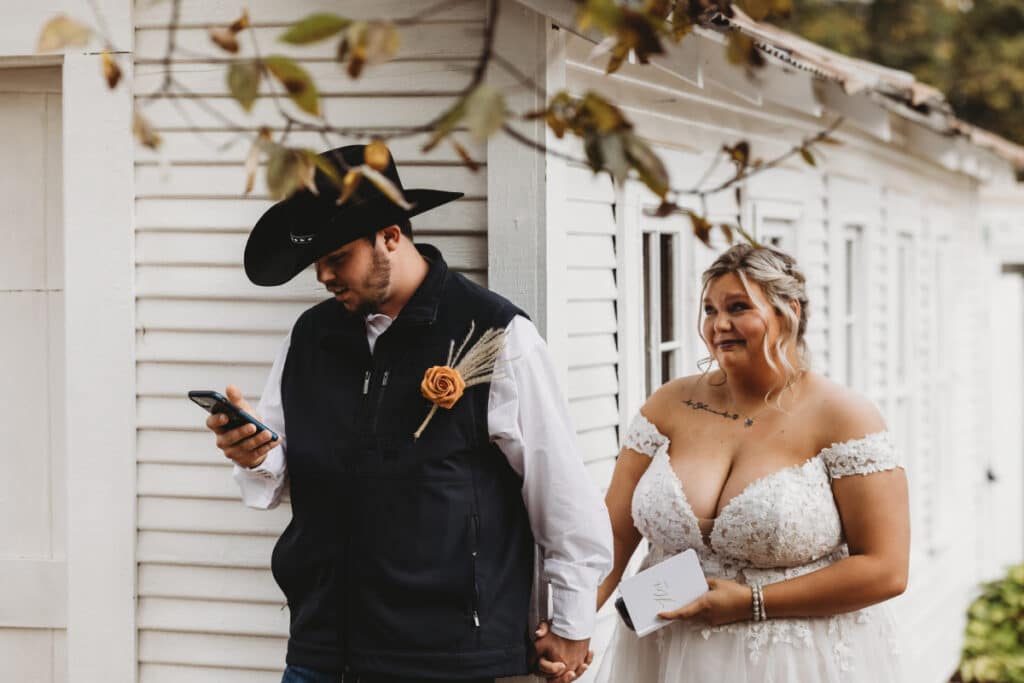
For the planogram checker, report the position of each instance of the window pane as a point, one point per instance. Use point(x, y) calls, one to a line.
point(669, 365)
point(667, 244)
point(849, 260)
point(647, 311)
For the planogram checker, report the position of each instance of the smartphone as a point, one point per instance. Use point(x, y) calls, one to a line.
point(215, 403)
point(620, 607)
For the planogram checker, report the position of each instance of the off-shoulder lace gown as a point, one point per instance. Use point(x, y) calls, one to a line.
point(780, 526)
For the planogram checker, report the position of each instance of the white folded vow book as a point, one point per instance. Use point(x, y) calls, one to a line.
point(666, 586)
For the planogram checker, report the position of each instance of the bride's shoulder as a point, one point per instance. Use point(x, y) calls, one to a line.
point(842, 413)
point(661, 406)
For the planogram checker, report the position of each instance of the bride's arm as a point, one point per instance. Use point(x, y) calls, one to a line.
point(629, 467)
point(874, 510)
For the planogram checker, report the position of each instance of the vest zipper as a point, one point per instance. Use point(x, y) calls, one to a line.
point(380, 400)
point(475, 521)
point(366, 382)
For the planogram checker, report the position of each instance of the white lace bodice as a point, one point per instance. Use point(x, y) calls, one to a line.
point(778, 527)
point(785, 520)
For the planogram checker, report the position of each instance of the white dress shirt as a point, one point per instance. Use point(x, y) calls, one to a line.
point(528, 419)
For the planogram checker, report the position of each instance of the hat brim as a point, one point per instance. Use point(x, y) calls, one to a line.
point(273, 256)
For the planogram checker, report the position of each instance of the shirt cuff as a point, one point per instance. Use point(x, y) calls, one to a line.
point(573, 612)
point(272, 466)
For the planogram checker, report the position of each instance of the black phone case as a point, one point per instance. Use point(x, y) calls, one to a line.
point(620, 607)
point(216, 403)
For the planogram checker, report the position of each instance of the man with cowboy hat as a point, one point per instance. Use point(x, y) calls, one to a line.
point(427, 448)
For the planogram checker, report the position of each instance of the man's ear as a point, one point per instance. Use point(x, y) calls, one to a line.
point(392, 237)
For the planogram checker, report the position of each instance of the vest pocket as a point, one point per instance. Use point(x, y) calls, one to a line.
point(414, 584)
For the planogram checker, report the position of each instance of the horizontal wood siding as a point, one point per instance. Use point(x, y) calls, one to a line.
point(209, 610)
point(591, 300)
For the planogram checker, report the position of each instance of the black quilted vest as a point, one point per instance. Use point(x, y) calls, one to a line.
point(409, 558)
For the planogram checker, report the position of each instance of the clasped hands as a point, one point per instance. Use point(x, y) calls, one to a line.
point(559, 659)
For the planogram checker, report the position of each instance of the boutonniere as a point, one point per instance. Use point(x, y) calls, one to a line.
point(443, 385)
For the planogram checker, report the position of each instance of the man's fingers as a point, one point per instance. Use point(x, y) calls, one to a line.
point(548, 668)
point(234, 395)
point(590, 658)
point(542, 630)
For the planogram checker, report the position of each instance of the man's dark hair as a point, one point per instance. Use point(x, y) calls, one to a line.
point(405, 225)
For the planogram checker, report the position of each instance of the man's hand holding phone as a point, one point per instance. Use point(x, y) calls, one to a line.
point(242, 445)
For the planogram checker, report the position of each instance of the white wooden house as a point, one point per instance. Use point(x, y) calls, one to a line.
point(125, 554)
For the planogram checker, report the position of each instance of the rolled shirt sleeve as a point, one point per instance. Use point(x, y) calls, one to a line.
point(528, 419)
point(263, 485)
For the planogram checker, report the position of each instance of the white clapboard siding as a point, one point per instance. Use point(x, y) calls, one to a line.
point(209, 609)
point(591, 299)
point(438, 40)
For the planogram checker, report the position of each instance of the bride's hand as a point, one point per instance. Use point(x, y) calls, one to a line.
point(726, 602)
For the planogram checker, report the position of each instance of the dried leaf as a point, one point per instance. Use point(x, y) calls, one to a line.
point(315, 27)
point(806, 155)
point(349, 185)
point(727, 232)
point(742, 50)
point(389, 189)
point(647, 164)
point(376, 155)
point(782, 8)
point(111, 71)
point(252, 162)
point(613, 156)
point(464, 154)
point(382, 42)
point(701, 228)
point(296, 81)
point(829, 140)
point(606, 116)
point(225, 39)
point(758, 9)
point(739, 153)
point(485, 111)
point(241, 23)
point(289, 170)
point(63, 31)
point(244, 82)
point(144, 133)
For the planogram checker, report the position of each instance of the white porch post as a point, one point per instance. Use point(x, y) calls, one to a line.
point(100, 390)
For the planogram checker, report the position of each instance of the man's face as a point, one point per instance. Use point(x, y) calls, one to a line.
point(358, 275)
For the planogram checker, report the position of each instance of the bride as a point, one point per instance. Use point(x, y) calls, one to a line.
point(787, 486)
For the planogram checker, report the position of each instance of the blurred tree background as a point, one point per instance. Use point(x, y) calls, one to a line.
point(971, 50)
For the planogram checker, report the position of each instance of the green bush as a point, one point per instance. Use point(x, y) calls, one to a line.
point(994, 640)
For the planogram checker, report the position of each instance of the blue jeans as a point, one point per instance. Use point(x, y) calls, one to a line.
point(299, 674)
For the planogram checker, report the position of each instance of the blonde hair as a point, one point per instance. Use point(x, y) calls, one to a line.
point(777, 274)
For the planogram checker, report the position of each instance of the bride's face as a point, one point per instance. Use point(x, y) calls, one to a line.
point(735, 323)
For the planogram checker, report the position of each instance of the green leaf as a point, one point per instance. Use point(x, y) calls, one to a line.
point(313, 28)
point(289, 170)
point(63, 31)
point(447, 123)
point(296, 81)
point(325, 167)
point(244, 82)
point(485, 112)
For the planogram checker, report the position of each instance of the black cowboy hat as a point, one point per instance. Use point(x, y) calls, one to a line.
point(296, 231)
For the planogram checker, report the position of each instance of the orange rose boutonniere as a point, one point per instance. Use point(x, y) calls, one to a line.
point(443, 385)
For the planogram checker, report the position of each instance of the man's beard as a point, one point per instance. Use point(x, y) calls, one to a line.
point(375, 286)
